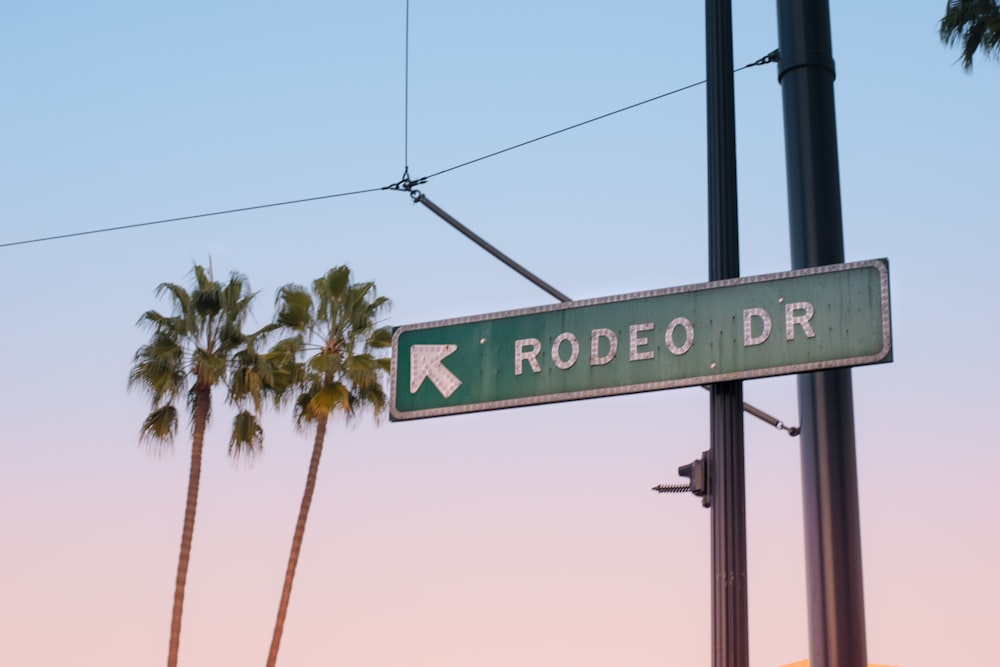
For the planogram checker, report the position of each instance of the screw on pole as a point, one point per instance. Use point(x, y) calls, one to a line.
point(699, 474)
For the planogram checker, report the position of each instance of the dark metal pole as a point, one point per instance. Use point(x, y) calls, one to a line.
point(730, 645)
point(419, 198)
point(829, 467)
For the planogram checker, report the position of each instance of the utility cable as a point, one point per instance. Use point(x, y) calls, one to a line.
point(187, 217)
point(565, 129)
point(771, 57)
point(406, 98)
point(404, 184)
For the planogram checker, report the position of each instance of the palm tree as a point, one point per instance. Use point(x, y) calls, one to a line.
point(976, 23)
point(336, 327)
point(190, 352)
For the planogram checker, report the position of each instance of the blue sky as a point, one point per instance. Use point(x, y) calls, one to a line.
point(525, 536)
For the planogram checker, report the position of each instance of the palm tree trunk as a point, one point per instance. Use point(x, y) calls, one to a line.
point(201, 405)
point(300, 529)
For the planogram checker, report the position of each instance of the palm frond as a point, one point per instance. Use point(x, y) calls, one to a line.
point(154, 321)
point(251, 378)
point(262, 335)
point(372, 396)
point(973, 23)
point(247, 439)
point(362, 369)
point(325, 363)
point(158, 369)
point(287, 372)
point(181, 300)
point(380, 338)
point(160, 426)
point(303, 415)
point(209, 366)
point(207, 302)
point(329, 398)
point(295, 308)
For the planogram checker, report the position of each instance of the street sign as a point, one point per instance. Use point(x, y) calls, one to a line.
point(793, 322)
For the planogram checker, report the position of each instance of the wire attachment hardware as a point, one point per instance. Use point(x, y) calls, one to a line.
point(405, 184)
point(772, 57)
point(770, 419)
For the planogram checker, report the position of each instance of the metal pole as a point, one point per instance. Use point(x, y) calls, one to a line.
point(419, 198)
point(730, 645)
point(829, 468)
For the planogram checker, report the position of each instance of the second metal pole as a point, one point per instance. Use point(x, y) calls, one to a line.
point(730, 644)
point(829, 466)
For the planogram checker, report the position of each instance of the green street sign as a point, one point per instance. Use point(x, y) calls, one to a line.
point(793, 322)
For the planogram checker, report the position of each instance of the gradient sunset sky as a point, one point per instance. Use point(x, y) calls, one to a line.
point(524, 537)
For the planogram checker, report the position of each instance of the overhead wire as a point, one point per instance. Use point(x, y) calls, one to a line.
point(565, 129)
point(406, 98)
point(769, 58)
point(404, 184)
point(182, 218)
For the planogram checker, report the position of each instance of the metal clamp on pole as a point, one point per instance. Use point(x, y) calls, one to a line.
point(773, 421)
point(699, 474)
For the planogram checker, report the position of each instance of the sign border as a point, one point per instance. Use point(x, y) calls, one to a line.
point(881, 265)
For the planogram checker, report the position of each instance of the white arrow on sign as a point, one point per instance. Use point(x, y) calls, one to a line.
point(425, 362)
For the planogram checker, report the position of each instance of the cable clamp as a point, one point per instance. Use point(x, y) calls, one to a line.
point(405, 184)
point(772, 57)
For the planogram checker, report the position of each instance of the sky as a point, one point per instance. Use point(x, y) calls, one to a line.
point(527, 536)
